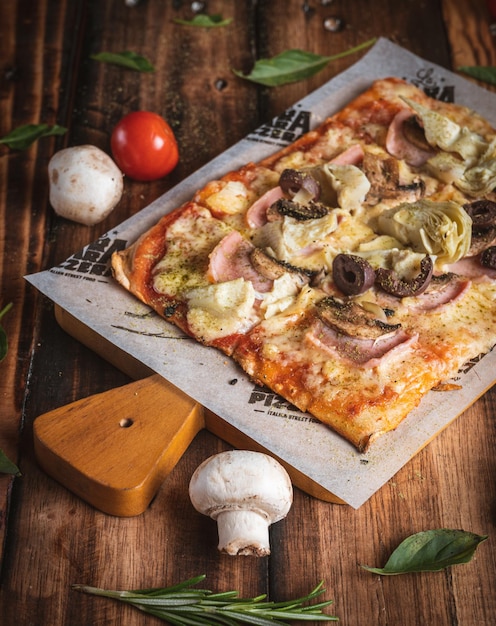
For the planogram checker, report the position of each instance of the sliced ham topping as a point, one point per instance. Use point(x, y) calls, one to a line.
point(436, 297)
point(351, 156)
point(398, 145)
point(470, 267)
point(365, 352)
point(256, 216)
point(231, 259)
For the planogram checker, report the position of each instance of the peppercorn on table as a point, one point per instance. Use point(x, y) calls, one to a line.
point(51, 539)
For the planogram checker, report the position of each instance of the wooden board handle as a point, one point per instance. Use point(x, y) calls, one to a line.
point(65, 441)
point(115, 449)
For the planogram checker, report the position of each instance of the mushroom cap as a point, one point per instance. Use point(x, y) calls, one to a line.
point(85, 184)
point(241, 480)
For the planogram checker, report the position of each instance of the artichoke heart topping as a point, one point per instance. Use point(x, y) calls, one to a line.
point(442, 229)
point(441, 132)
point(349, 182)
point(343, 186)
point(480, 179)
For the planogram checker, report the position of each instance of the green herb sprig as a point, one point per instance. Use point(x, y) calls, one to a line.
point(486, 74)
point(23, 136)
point(7, 466)
point(291, 66)
point(128, 59)
point(430, 551)
point(182, 606)
point(205, 21)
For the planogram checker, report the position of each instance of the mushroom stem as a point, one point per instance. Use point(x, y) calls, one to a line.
point(243, 532)
point(245, 492)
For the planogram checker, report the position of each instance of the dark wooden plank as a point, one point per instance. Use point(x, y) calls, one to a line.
point(416, 26)
point(207, 119)
point(29, 94)
point(468, 25)
point(55, 539)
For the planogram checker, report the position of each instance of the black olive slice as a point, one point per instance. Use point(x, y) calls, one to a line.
point(482, 212)
point(311, 211)
point(439, 281)
point(482, 238)
point(488, 257)
point(483, 215)
point(391, 283)
point(352, 274)
point(292, 181)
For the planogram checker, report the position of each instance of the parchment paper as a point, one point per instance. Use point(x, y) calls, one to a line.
point(82, 285)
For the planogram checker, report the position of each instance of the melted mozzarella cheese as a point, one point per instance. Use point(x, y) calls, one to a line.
point(190, 239)
point(232, 198)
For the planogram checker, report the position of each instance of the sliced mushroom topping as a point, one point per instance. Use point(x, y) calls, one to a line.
point(312, 210)
point(349, 318)
point(293, 181)
point(272, 268)
point(383, 174)
point(352, 274)
point(265, 265)
point(402, 288)
point(414, 132)
point(488, 257)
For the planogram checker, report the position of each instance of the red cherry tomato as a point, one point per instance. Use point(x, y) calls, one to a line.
point(143, 146)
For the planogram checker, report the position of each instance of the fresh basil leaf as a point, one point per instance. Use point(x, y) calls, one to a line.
point(6, 465)
point(291, 66)
point(430, 551)
point(486, 74)
point(288, 67)
point(205, 21)
point(3, 335)
point(23, 136)
point(128, 59)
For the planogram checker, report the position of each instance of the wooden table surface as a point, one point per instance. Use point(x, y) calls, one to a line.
point(49, 538)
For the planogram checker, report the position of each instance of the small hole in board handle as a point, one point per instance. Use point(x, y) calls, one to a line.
point(127, 422)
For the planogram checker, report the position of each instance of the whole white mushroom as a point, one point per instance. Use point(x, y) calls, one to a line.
point(85, 184)
point(245, 492)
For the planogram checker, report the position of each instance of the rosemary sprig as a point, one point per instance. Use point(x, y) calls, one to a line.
point(182, 606)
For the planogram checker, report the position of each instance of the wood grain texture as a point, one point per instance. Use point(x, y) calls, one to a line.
point(53, 539)
point(468, 26)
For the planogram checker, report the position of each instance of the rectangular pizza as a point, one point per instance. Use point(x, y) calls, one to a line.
point(352, 271)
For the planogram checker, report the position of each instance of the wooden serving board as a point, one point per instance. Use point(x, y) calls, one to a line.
point(116, 448)
point(319, 461)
